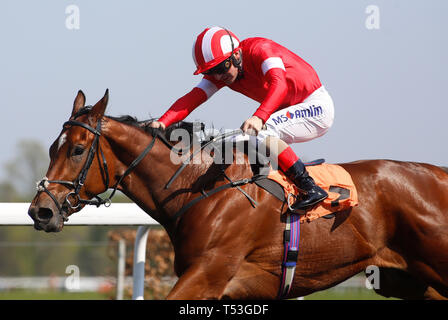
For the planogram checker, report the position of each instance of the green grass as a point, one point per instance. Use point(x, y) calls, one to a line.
point(51, 295)
point(346, 294)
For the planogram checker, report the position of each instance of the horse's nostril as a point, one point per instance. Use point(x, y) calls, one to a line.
point(44, 214)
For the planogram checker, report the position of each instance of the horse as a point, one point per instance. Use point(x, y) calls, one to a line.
point(225, 248)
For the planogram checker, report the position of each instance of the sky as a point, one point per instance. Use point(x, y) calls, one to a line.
point(384, 67)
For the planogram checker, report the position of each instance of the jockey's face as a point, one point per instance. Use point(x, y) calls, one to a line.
point(230, 76)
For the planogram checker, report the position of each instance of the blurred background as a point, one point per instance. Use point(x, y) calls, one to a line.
point(383, 62)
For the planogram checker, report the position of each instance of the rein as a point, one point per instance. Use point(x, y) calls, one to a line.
point(212, 141)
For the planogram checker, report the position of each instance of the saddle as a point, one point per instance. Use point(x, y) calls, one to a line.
point(334, 179)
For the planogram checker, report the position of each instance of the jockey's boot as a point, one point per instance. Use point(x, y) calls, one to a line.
point(314, 194)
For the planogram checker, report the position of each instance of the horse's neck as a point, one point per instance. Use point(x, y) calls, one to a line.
point(145, 185)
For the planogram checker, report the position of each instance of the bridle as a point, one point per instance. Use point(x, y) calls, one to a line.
point(78, 183)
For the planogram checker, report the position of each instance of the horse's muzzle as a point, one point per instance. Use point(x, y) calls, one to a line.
point(46, 218)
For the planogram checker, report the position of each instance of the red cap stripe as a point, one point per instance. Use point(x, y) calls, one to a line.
point(198, 48)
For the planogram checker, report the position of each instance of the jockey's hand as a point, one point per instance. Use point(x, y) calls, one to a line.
point(157, 125)
point(252, 126)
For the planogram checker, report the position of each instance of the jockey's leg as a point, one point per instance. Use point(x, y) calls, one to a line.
point(295, 170)
point(299, 123)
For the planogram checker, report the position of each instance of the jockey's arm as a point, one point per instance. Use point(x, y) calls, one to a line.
point(186, 104)
point(277, 92)
point(183, 107)
point(278, 89)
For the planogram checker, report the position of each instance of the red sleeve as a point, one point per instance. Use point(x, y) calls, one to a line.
point(184, 106)
point(277, 92)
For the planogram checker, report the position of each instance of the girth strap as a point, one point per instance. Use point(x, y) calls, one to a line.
point(291, 243)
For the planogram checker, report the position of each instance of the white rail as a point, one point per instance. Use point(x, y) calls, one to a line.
point(119, 214)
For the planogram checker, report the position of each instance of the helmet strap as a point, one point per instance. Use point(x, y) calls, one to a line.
point(236, 62)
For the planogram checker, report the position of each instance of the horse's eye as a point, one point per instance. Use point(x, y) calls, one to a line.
point(78, 150)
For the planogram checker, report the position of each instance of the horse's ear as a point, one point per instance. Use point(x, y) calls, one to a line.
point(98, 109)
point(80, 102)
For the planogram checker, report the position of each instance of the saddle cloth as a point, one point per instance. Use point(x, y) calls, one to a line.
point(332, 178)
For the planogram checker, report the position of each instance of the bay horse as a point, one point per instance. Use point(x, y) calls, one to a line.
point(227, 249)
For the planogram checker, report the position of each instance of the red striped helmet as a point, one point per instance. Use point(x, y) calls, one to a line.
point(213, 46)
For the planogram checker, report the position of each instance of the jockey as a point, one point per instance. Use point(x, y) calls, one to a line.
point(294, 106)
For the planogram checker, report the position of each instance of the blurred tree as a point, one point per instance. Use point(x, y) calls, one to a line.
point(8, 193)
point(27, 166)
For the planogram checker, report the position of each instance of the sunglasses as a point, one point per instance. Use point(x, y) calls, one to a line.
point(221, 68)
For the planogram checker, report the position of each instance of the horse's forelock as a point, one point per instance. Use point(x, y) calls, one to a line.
point(84, 110)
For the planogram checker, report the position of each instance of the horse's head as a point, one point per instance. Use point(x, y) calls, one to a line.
point(76, 172)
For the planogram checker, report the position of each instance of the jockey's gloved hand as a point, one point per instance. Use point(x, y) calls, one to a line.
point(252, 126)
point(157, 125)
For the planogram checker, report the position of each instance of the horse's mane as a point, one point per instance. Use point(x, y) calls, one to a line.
point(144, 125)
point(191, 127)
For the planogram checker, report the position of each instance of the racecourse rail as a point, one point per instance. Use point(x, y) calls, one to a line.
point(118, 214)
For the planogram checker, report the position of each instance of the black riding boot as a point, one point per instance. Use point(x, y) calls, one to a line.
point(314, 194)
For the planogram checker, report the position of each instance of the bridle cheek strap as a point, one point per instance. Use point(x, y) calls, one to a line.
point(79, 181)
